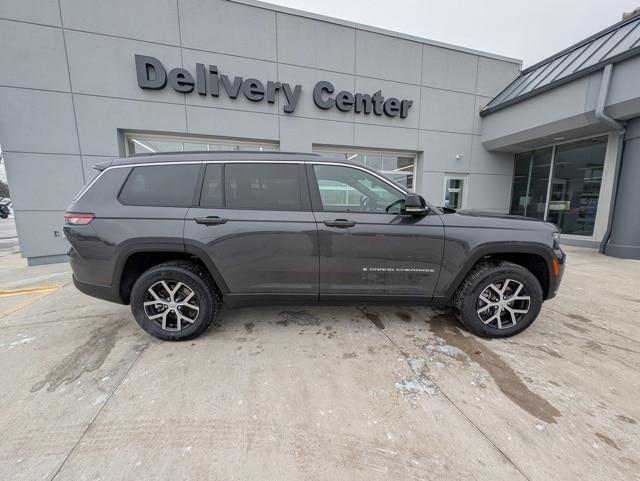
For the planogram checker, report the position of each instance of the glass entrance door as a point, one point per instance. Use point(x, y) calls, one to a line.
point(561, 184)
point(575, 185)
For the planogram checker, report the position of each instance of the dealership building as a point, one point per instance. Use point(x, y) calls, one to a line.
point(82, 82)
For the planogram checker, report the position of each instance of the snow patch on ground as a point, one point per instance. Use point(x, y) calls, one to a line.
point(24, 340)
point(415, 386)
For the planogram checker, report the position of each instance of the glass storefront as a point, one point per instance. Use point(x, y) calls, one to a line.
point(561, 184)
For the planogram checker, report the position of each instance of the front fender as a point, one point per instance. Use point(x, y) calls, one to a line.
point(458, 261)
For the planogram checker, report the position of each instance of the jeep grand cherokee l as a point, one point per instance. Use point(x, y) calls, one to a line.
point(176, 235)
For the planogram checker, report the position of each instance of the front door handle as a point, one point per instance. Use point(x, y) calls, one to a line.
point(340, 223)
point(210, 220)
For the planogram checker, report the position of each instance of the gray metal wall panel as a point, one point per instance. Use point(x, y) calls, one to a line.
point(489, 192)
point(440, 150)
point(232, 123)
point(390, 58)
point(298, 134)
point(376, 136)
point(154, 21)
point(446, 111)
point(40, 233)
point(37, 121)
point(32, 56)
point(483, 161)
point(36, 11)
point(447, 69)
point(43, 181)
point(494, 75)
point(99, 119)
point(227, 27)
point(312, 43)
point(102, 65)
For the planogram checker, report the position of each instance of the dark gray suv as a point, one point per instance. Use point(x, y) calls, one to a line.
point(175, 235)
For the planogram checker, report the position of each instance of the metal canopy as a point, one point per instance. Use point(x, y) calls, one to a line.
point(614, 44)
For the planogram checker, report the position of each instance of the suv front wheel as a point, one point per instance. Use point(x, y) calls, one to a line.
point(175, 301)
point(498, 299)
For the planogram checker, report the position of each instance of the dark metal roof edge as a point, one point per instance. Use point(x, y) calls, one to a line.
point(563, 80)
point(585, 41)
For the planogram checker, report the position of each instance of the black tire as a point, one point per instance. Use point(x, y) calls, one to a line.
point(195, 279)
point(478, 282)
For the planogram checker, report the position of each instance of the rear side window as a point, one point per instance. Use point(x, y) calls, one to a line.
point(262, 186)
point(160, 185)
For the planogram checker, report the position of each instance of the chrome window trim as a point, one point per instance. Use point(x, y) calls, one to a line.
point(313, 162)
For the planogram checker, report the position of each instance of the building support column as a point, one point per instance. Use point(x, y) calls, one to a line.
point(624, 240)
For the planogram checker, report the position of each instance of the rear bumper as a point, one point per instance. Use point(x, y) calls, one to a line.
point(106, 293)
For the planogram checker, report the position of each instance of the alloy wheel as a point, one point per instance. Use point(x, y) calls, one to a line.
point(172, 305)
point(503, 304)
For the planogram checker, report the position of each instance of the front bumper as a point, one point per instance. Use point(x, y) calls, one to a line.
point(556, 273)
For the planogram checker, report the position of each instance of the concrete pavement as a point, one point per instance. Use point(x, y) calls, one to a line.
point(289, 393)
point(8, 237)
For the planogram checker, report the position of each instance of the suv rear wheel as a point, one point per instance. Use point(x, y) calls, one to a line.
point(498, 299)
point(175, 301)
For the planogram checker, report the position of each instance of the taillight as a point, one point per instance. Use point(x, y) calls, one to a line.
point(78, 218)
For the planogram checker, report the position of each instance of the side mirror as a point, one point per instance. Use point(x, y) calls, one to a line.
point(414, 205)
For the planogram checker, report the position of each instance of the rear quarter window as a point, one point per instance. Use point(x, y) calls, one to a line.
point(160, 185)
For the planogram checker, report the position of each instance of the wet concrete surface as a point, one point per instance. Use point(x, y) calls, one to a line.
point(289, 393)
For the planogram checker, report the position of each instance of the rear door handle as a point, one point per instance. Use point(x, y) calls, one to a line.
point(340, 223)
point(211, 220)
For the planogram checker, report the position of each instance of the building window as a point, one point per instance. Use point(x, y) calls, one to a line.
point(561, 184)
point(153, 143)
point(397, 166)
point(453, 192)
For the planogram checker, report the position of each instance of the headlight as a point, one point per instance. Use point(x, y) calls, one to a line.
point(556, 240)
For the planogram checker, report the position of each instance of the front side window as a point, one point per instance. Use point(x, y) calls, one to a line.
point(347, 189)
point(262, 186)
point(160, 186)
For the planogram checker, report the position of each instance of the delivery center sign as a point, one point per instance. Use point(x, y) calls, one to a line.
point(207, 80)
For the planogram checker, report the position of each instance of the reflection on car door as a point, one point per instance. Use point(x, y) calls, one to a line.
point(254, 221)
point(367, 247)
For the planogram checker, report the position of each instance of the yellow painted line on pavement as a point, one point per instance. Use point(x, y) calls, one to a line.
point(28, 290)
point(37, 293)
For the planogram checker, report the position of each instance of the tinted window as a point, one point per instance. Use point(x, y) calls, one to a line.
point(262, 186)
point(212, 188)
point(346, 189)
point(160, 185)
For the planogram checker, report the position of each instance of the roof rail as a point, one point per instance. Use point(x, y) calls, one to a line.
point(188, 152)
